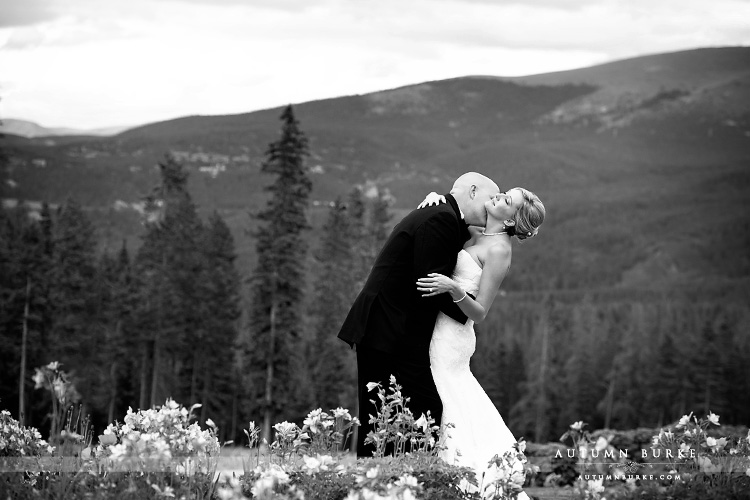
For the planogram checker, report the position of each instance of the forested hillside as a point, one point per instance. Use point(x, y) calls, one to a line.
point(627, 310)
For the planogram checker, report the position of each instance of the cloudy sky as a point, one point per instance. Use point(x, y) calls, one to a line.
point(98, 63)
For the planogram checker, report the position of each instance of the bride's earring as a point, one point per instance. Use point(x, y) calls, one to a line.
point(509, 223)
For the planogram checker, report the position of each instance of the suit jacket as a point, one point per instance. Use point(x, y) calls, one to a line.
point(389, 314)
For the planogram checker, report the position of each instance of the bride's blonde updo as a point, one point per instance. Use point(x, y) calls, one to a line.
point(528, 217)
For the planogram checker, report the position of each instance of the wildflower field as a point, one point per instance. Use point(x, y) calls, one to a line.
point(163, 453)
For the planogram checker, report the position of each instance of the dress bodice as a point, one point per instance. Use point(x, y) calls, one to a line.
point(467, 272)
point(453, 343)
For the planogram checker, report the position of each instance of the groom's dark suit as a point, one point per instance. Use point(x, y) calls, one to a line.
point(391, 323)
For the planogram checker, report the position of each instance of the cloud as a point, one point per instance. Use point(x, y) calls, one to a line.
point(287, 5)
point(25, 12)
point(24, 38)
point(133, 61)
point(552, 4)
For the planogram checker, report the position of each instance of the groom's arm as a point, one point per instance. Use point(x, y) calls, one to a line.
point(434, 252)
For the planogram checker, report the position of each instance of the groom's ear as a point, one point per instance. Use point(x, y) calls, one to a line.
point(472, 191)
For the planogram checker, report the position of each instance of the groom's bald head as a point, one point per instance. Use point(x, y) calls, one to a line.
point(471, 191)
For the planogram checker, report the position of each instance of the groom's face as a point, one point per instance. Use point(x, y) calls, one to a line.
point(483, 192)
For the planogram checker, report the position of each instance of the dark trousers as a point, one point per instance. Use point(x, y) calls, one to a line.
point(415, 378)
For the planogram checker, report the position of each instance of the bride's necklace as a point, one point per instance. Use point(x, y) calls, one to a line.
point(494, 234)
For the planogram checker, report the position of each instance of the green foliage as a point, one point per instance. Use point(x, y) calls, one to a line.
point(301, 463)
point(155, 453)
point(645, 320)
point(17, 440)
point(277, 283)
point(332, 377)
point(701, 489)
point(395, 429)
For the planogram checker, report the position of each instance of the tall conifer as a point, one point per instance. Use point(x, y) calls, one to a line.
point(331, 374)
point(278, 278)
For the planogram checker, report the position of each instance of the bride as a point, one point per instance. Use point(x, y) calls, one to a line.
point(475, 432)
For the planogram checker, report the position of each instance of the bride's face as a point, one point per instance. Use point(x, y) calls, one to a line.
point(503, 206)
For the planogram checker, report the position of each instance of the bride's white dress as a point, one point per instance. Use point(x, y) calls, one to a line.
point(480, 432)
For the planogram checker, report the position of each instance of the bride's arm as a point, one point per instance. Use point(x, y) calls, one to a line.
point(432, 199)
point(495, 269)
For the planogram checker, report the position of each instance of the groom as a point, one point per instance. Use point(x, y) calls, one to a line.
point(390, 322)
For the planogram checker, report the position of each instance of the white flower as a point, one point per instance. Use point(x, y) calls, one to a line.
point(407, 480)
point(713, 418)
point(342, 412)
point(262, 486)
point(716, 444)
point(521, 446)
point(596, 486)
point(59, 387)
point(168, 491)
point(601, 443)
point(577, 426)
point(372, 473)
point(225, 493)
point(38, 379)
point(684, 420)
point(408, 495)
point(285, 429)
point(706, 465)
point(312, 464)
point(372, 385)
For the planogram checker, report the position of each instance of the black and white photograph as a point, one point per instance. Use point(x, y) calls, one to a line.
point(395, 250)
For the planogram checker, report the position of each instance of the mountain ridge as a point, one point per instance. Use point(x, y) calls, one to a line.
point(30, 129)
point(632, 185)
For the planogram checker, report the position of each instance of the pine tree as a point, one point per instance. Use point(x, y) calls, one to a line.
point(12, 300)
point(369, 220)
point(278, 279)
point(217, 381)
point(74, 335)
point(170, 272)
point(331, 374)
point(531, 413)
point(115, 353)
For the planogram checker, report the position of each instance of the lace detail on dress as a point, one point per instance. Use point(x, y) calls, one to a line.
point(453, 343)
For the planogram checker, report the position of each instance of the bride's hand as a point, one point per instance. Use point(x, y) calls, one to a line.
point(432, 199)
point(436, 283)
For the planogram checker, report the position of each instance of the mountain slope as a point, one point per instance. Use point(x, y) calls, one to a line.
point(25, 128)
point(711, 81)
point(642, 164)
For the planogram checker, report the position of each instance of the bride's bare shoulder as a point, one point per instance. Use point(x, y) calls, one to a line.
point(498, 253)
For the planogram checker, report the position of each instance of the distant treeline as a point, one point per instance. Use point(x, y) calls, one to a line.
point(167, 319)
